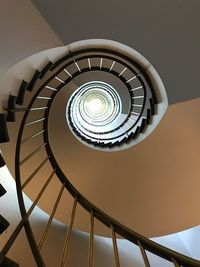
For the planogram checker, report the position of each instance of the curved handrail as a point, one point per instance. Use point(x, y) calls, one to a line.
point(122, 230)
point(125, 232)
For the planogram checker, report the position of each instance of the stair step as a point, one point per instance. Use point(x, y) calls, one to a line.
point(46, 68)
point(4, 137)
point(2, 190)
point(11, 107)
point(120, 142)
point(3, 224)
point(143, 125)
point(152, 104)
point(148, 116)
point(129, 138)
point(2, 162)
point(21, 94)
point(33, 80)
point(114, 144)
point(136, 132)
point(9, 263)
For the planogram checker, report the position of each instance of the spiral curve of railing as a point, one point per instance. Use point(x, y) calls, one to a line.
point(47, 93)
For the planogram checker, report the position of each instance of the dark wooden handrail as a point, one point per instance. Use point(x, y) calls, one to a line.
point(142, 242)
point(122, 230)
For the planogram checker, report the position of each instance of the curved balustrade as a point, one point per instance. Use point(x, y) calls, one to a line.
point(56, 80)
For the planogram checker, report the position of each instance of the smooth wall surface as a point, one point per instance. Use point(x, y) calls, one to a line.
point(157, 180)
point(52, 248)
point(152, 187)
point(23, 32)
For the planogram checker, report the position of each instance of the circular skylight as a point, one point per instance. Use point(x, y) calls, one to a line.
point(93, 106)
point(97, 106)
point(111, 94)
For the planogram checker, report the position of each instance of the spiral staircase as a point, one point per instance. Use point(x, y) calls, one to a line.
point(34, 101)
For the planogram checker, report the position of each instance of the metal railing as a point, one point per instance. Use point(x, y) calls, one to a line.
point(41, 124)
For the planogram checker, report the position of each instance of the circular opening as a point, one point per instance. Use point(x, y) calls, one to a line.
point(94, 104)
point(111, 98)
point(97, 106)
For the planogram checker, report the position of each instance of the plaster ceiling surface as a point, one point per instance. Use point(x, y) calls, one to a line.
point(166, 32)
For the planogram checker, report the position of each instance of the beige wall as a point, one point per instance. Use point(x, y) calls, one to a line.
point(23, 32)
point(52, 248)
point(153, 187)
point(157, 178)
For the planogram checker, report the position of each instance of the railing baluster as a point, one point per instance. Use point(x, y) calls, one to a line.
point(69, 230)
point(44, 97)
point(34, 173)
point(176, 264)
point(39, 108)
point(32, 153)
point(165, 253)
point(115, 246)
point(144, 255)
point(17, 230)
point(40, 194)
point(91, 241)
point(33, 122)
point(51, 88)
point(51, 217)
point(31, 137)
